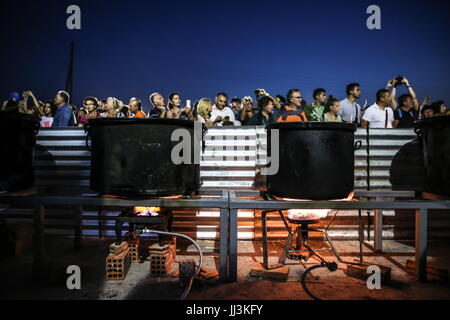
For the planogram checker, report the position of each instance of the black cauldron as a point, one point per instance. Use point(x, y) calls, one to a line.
point(434, 137)
point(132, 157)
point(17, 141)
point(316, 160)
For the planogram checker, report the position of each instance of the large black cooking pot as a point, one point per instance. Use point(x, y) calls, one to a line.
point(434, 136)
point(17, 141)
point(132, 157)
point(316, 160)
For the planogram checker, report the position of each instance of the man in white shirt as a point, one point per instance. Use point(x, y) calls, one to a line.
point(379, 115)
point(221, 114)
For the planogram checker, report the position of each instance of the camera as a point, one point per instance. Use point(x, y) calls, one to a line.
point(398, 81)
point(247, 100)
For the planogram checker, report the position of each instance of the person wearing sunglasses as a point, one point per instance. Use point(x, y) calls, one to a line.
point(293, 111)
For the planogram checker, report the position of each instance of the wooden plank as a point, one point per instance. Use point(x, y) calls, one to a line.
point(276, 274)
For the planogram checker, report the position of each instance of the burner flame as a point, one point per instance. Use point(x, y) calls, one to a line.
point(146, 211)
point(312, 214)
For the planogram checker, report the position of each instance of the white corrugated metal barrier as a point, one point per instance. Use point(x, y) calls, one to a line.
point(232, 159)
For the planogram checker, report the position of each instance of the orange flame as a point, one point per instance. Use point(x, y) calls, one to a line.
point(173, 197)
point(146, 211)
point(312, 214)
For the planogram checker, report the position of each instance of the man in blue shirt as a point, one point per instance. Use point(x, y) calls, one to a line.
point(63, 116)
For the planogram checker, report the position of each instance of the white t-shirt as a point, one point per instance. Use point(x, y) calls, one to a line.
point(376, 117)
point(225, 112)
point(201, 119)
point(46, 122)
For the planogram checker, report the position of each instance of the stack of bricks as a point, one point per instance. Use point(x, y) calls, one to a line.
point(118, 262)
point(133, 245)
point(162, 258)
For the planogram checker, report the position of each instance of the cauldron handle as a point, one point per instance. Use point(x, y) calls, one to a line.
point(358, 145)
point(87, 128)
point(418, 130)
point(37, 126)
point(204, 129)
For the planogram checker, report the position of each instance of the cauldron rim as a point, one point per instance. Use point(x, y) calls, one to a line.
point(432, 121)
point(312, 126)
point(19, 115)
point(121, 121)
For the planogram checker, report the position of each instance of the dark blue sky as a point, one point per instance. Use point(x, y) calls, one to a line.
point(198, 48)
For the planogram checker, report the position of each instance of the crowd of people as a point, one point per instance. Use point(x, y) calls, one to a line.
point(386, 112)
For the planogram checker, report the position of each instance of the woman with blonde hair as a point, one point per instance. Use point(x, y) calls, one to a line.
point(203, 111)
point(113, 109)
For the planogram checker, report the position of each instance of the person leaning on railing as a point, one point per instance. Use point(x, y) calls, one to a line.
point(113, 109)
point(159, 108)
point(404, 116)
point(38, 107)
point(293, 111)
point(49, 113)
point(408, 109)
point(264, 116)
point(135, 106)
point(427, 111)
point(174, 108)
point(380, 114)
point(237, 107)
point(247, 111)
point(350, 111)
point(202, 112)
point(314, 111)
point(221, 114)
point(89, 111)
point(45, 111)
point(64, 115)
point(439, 108)
point(331, 111)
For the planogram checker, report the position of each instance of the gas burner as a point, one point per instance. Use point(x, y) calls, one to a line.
point(141, 218)
point(303, 219)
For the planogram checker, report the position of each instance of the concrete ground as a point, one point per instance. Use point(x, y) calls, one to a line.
point(17, 283)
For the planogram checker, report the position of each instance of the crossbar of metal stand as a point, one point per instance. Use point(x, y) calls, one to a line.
point(420, 206)
point(41, 202)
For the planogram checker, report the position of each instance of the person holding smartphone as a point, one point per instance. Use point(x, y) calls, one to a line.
point(174, 108)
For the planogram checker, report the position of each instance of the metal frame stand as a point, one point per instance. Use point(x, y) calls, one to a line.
point(218, 199)
point(421, 207)
point(302, 233)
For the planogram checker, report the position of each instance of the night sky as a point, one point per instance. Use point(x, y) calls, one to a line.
point(198, 48)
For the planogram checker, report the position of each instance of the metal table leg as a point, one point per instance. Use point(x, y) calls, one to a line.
point(421, 244)
point(38, 239)
point(99, 217)
point(264, 240)
point(360, 236)
point(78, 227)
point(378, 231)
point(118, 231)
point(233, 244)
point(223, 251)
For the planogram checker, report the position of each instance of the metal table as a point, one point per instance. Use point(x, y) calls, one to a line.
point(40, 202)
point(421, 208)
